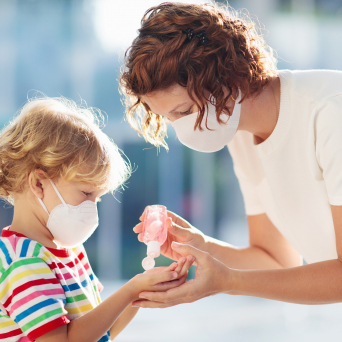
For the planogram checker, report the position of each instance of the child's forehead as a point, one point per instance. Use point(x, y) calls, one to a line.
point(77, 182)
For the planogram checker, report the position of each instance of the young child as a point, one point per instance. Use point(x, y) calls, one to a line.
point(55, 163)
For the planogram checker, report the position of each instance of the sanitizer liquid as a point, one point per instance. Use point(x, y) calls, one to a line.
point(154, 233)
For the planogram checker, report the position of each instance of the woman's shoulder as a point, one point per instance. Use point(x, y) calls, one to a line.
point(320, 74)
point(315, 85)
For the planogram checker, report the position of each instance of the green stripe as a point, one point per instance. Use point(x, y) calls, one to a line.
point(4, 316)
point(2, 270)
point(19, 263)
point(76, 298)
point(37, 249)
point(41, 318)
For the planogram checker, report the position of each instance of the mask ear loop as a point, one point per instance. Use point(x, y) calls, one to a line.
point(59, 195)
point(44, 206)
point(57, 192)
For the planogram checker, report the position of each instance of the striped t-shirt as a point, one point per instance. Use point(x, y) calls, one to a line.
point(42, 288)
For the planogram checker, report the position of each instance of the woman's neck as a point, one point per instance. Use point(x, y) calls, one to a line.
point(259, 114)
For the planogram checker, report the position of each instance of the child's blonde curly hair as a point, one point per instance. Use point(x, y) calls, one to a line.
point(62, 139)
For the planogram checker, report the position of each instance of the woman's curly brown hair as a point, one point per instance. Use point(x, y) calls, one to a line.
point(236, 56)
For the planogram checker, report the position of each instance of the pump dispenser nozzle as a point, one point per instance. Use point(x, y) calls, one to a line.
point(148, 263)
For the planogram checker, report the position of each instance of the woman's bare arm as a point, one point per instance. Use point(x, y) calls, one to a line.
point(268, 249)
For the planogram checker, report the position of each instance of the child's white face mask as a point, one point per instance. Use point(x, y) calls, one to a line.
point(71, 225)
point(208, 140)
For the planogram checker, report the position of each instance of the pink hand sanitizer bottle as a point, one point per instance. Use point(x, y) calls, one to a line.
point(154, 233)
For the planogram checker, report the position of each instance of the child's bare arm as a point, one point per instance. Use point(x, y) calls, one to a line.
point(112, 314)
point(125, 318)
point(93, 325)
point(122, 322)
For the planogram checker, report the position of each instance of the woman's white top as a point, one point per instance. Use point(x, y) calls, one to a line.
point(296, 174)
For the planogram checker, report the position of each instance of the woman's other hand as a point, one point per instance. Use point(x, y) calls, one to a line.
point(212, 277)
point(178, 230)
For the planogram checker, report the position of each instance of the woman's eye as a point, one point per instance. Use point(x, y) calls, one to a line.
point(187, 112)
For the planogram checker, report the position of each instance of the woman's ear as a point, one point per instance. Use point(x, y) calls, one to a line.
point(37, 179)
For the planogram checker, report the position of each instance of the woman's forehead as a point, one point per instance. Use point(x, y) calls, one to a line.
point(166, 99)
point(175, 91)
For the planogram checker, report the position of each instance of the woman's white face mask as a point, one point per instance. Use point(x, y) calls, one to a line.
point(208, 140)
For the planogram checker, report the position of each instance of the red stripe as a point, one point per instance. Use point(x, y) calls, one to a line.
point(63, 253)
point(7, 233)
point(72, 264)
point(25, 286)
point(11, 333)
point(54, 265)
point(81, 256)
point(56, 323)
point(60, 266)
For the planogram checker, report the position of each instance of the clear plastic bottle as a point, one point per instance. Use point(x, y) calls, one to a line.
point(154, 233)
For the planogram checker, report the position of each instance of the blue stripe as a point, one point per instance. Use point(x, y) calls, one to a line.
point(71, 287)
point(5, 250)
point(24, 248)
point(105, 337)
point(91, 277)
point(84, 283)
point(36, 307)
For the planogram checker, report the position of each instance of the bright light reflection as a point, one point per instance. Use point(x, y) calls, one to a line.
point(117, 21)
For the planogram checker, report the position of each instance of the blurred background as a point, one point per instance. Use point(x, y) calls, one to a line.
point(75, 48)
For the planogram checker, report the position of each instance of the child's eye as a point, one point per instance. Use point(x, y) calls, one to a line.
point(87, 193)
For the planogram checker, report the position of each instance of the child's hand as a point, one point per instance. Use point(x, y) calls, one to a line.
point(181, 267)
point(161, 278)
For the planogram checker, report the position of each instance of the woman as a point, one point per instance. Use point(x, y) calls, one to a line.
point(210, 75)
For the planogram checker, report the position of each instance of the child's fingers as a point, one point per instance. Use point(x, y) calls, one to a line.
point(186, 266)
point(140, 238)
point(172, 267)
point(180, 264)
point(160, 269)
point(138, 228)
point(182, 279)
point(170, 284)
point(162, 277)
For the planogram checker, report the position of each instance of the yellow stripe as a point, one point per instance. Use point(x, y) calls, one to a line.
point(23, 275)
point(47, 253)
point(7, 324)
point(45, 258)
point(80, 309)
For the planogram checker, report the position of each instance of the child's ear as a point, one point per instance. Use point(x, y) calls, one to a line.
point(37, 179)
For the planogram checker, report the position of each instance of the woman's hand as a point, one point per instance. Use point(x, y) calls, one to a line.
point(161, 278)
point(179, 230)
point(212, 277)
